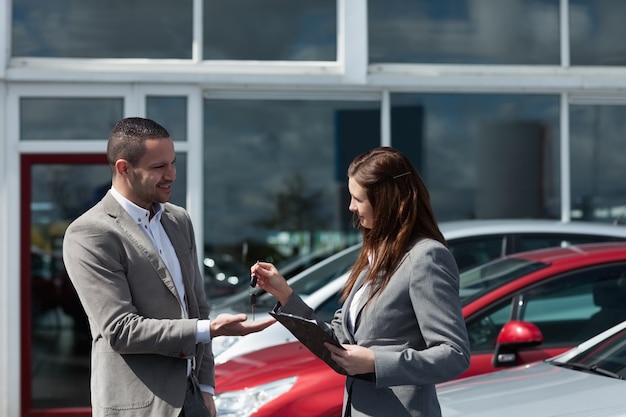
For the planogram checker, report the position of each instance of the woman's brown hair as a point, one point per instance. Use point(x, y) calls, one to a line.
point(401, 214)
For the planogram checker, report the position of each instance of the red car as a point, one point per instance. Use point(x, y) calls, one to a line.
point(518, 309)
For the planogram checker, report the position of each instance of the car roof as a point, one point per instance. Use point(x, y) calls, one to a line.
point(605, 250)
point(467, 228)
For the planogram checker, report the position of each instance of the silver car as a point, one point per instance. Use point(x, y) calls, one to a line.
point(586, 381)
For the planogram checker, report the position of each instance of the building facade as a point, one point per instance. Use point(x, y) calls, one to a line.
point(509, 109)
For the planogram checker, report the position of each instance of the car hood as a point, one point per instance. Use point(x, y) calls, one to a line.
point(266, 365)
point(538, 390)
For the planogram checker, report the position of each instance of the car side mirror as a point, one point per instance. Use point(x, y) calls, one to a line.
point(513, 336)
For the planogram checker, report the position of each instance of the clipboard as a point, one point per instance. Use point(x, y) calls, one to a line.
point(312, 333)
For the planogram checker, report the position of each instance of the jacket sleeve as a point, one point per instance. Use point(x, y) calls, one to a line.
point(434, 296)
point(121, 309)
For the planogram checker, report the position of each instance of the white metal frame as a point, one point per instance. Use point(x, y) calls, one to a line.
point(9, 296)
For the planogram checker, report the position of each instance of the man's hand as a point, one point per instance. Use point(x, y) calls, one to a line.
point(236, 325)
point(210, 403)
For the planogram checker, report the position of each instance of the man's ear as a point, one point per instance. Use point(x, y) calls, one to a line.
point(122, 167)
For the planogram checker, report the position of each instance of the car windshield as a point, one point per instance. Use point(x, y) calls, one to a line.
point(608, 357)
point(482, 279)
point(304, 283)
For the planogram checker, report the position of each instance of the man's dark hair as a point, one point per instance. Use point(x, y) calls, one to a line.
point(127, 139)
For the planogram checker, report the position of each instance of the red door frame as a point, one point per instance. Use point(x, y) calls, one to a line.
point(25, 267)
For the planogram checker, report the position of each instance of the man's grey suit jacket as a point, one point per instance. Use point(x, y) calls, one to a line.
point(141, 340)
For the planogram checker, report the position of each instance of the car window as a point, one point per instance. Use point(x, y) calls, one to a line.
point(305, 284)
point(484, 278)
point(470, 252)
point(326, 311)
point(568, 309)
point(573, 307)
point(610, 355)
point(483, 330)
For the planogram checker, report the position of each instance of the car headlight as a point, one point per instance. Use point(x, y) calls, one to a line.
point(245, 402)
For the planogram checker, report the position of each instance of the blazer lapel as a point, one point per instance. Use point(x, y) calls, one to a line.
point(362, 302)
point(139, 239)
point(357, 285)
point(182, 249)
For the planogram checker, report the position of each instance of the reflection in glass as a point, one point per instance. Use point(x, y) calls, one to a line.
point(597, 32)
point(102, 29)
point(170, 112)
point(598, 187)
point(275, 175)
point(521, 32)
point(488, 156)
point(73, 118)
point(303, 30)
point(60, 338)
point(179, 188)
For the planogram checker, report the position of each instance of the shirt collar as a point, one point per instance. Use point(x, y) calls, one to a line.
point(138, 214)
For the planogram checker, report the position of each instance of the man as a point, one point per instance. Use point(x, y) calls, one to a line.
point(133, 261)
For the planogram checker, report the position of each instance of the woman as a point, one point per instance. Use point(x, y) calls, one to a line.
point(401, 323)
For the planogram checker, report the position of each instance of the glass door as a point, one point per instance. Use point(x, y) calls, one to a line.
point(56, 189)
point(597, 140)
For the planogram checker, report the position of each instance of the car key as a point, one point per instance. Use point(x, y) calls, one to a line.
point(252, 303)
point(253, 279)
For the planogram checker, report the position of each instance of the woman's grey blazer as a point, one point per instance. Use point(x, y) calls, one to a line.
point(417, 332)
point(141, 340)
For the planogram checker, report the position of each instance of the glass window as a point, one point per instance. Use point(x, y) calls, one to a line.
point(597, 32)
point(275, 182)
point(475, 251)
point(608, 354)
point(597, 177)
point(567, 310)
point(464, 32)
point(487, 155)
point(179, 188)
point(102, 29)
point(170, 112)
point(303, 30)
point(578, 305)
point(59, 339)
point(483, 330)
point(75, 118)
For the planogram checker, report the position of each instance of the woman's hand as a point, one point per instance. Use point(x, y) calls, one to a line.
point(354, 359)
point(271, 281)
